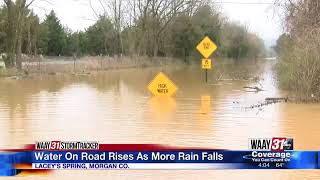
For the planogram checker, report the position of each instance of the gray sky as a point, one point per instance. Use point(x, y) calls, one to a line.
point(259, 16)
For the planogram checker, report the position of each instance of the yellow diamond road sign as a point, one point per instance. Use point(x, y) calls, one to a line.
point(206, 47)
point(161, 85)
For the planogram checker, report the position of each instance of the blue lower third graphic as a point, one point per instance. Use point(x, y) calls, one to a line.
point(195, 159)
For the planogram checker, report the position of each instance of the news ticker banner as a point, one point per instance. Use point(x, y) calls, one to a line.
point(44, 157)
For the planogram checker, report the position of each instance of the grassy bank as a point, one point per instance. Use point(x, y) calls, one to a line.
point(11, 72)
point(54, 65)
point(224, 69)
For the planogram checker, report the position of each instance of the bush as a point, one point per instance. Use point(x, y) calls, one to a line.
point(299, 65)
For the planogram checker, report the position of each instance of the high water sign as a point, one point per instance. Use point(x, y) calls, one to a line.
point(161, 85)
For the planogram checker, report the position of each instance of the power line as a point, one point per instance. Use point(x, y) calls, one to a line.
point(243, 3)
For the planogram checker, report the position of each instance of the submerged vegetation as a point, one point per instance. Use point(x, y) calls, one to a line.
point(125, 28)
point(298, 49)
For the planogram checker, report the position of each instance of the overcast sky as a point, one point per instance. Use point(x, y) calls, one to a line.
point(259, 15)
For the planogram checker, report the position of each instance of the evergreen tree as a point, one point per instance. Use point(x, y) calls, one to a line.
point(56, 35)
point(101, 39)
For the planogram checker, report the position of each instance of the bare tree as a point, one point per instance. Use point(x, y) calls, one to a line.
point(113, 10)
point(154, 16)
point(300, 15)
point(16, 15)
point(150, 19)
point(162, 12)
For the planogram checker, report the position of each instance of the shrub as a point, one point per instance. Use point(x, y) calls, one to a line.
point(299, 65)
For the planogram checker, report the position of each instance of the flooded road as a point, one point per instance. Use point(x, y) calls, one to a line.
point(115, 107)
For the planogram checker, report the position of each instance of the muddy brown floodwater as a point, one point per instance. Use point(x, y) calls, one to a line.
point(115, 107)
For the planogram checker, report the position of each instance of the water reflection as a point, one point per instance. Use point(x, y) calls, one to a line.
point(162, 108)
point(205, 107)
point(204, 116)
point(115, 107)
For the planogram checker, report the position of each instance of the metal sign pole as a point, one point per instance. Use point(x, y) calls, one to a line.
point(206, 75)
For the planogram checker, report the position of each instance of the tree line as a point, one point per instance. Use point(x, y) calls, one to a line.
point(125, 27)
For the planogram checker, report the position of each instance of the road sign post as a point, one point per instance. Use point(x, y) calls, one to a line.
point(206, 75)
point(206, 47)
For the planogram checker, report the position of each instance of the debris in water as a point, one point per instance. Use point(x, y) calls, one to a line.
point(257, 89)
